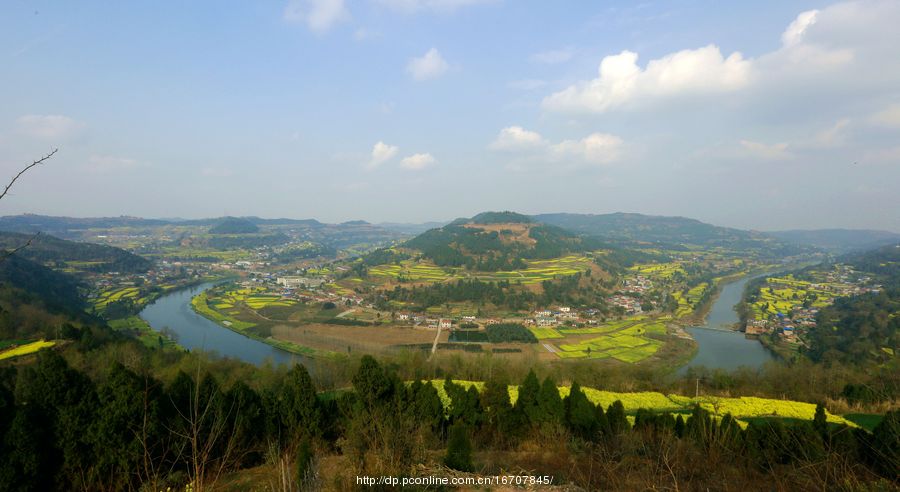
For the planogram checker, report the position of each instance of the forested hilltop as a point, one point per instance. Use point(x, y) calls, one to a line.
point(494, 241)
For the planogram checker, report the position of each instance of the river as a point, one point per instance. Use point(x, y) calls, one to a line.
point(719, 346)
point(195, 332)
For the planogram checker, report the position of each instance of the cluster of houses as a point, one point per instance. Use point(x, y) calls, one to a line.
point(631, 305)
point(842, 281)
point(638, 284)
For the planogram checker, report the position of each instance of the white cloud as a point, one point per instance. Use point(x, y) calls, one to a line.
point(770, 152)
point(515, 138)
point(795, 31)
point(411, 6)
point(823, 50)
point(49, 127)
point(381, 153)
point(621, 81)
point(431, 65)
point(318, 15)
point(889, 117)
point(417, 162)
point(596, 148)
point(553, 56)
point(109, 163)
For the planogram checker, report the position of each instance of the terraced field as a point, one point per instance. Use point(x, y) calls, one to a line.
point(782, 294)
point(741, 408)
point(663, 271)
point(116, 294)
point(536, 272)
point(625, 341)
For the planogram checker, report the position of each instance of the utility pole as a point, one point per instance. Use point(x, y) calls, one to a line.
point(697, 391)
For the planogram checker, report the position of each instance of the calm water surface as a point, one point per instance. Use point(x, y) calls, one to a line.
point(195, 332)
point(719, 346)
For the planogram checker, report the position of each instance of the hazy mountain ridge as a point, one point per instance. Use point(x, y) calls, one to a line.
point(838, 240)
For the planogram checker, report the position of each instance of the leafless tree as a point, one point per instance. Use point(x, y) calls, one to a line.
point(9, 186)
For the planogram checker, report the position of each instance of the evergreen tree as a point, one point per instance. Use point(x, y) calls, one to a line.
point(820, 421)
point(459, 448)
point(679, 426)
point(301, 411)
point(498, 411)
point(603, 428)
point(371, 383)
point(529, 393)
point(618, 422)
point(550, 404)
point(579, 412)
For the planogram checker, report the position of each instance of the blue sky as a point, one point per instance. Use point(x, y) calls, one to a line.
point(765, 115)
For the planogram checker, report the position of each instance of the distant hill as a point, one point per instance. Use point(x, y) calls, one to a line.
point(495, 241)
point(56, 290)
point(410, 228)
point(30, 223)
point(628, 227)
point(52, 251)
point(234, 225)
point(838, 240)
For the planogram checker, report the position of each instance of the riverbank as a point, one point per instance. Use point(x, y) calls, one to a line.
point(718, 344)
point(200, 306)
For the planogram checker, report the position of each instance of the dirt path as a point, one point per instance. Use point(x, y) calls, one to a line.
point(436, 339)
point(345, 313)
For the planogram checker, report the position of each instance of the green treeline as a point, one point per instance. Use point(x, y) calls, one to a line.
point(121, 428)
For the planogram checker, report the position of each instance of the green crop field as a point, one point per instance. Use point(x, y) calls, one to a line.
point(537, 271)
point(544, 333)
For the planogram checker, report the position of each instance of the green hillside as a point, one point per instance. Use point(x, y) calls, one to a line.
point(77, 256)
point(496, 241)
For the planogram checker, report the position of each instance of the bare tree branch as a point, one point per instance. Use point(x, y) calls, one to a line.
point(23, 171)
point(7, 254)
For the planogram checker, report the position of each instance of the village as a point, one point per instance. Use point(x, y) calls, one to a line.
point(786, 307)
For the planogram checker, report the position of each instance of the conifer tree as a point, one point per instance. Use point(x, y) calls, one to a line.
point(550, 405)
point(615, 414)
point(529, 393)
point(580, 412)
point(459, 448)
